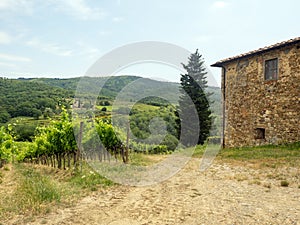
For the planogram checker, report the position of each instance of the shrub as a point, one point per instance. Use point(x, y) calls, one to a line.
point(160, 149)
point(284, 183)
point(170, 141)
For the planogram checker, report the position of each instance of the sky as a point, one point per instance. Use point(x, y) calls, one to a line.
point(63, 38)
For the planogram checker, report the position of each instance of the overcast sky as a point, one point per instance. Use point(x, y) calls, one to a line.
point(52, 38)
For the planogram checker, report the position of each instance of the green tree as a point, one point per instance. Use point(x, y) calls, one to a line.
point(4, 115)
point(193, 90)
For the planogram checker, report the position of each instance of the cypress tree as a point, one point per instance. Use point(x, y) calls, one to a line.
point(194, 99)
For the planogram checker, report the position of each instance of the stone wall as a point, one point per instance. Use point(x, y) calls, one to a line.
point(255, 107)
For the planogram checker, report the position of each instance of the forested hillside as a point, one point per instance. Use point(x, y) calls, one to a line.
point(37, 97)
point(19, 98)
point(19, 95)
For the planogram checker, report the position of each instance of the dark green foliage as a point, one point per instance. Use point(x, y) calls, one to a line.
point(156, 101)
point(194, 97)
point(160, 149)
point(24, 131)
point(24, 98)
point(4, 115)
point(141, 115)
point(170, 141)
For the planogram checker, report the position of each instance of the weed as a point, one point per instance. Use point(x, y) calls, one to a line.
point(284, 183)
point(257, 182)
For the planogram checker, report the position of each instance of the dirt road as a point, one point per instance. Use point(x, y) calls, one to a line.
point(223, 194)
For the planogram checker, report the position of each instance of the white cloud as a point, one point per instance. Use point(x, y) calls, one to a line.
point(5, 64)
point(5, 38)
point(24, 6)
point(117, 19)
point(8, 4)
point(79, 9)
point(87, 50)
point(8, 57)
point(219, 4)
point(52, 48)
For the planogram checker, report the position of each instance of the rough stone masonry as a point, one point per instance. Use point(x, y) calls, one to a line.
point(261, 95)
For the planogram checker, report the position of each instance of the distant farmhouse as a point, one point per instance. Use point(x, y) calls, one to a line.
point(261, 95)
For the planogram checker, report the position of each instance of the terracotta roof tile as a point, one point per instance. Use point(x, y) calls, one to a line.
point(260, 50)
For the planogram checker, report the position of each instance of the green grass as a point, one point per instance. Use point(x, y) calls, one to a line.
point(38, 189)
point(268, 155)
point(87, 178)
point(140, 159)
point(33, 193)
point(145, 107)
point(199, 151)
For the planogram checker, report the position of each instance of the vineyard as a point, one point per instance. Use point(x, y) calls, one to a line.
point(60, 139)
point(58, 144)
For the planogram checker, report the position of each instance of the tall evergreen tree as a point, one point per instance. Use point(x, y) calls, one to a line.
point(194, 100)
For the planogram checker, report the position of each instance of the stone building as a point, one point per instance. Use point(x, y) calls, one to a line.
point(261, 95)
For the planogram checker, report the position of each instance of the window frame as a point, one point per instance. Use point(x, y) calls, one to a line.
point(268, 78)
point(260, 133)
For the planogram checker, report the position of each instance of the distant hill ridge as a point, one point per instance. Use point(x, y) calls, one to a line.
point(24, 96)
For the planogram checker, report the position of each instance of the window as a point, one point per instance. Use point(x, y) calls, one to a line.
point(271, 69)
point(259, 133)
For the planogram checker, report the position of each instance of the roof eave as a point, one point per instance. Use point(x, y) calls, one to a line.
point(256, 52)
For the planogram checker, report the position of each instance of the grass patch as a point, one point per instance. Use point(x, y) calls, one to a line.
point(140, 159)
point(39, 189)
point(34, 192)
point(86, 178)
point(269, 155)
point(199, 151)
